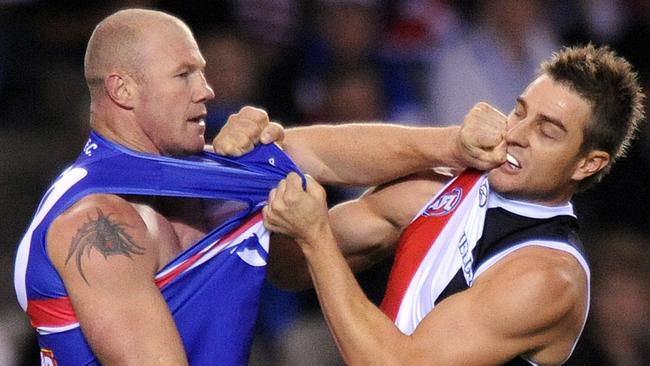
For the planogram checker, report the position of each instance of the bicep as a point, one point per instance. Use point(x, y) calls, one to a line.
point(107, 260)
point(132, 325)
point(367, 229)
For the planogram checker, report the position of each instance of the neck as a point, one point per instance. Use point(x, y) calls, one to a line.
point(124, 133)
point(542, 201)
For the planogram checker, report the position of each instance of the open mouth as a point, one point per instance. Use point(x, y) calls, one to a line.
point(512, 161)
point(199, 119)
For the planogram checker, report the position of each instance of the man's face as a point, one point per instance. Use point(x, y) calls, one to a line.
point(545, 133)
point(173, 91)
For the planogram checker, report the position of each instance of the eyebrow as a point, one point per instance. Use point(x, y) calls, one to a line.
point(200, 65)
point(544, 117)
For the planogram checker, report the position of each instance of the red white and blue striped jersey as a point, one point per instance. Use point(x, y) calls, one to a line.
point(212, 288)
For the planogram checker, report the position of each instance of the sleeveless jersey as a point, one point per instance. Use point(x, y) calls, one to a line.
point(211, 288)
point(459, 234)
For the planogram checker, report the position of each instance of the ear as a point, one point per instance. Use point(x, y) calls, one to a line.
point(595, 161)
point(121, 89)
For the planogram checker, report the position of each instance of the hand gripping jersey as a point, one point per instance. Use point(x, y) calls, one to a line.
point(212, 288)
point(460, 233)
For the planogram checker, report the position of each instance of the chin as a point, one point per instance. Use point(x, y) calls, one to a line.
point(502, 184)
point(197, 147)
point(196, 150)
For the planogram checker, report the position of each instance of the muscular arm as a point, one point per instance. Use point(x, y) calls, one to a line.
point(531, 303)
point(525, 309)
point(370, 154)
point(367, 154)
point(107, 259)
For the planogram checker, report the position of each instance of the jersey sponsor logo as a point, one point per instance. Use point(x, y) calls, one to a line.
point(90, 147)
point(47, 358)
point(466, 259)
point(445, 203)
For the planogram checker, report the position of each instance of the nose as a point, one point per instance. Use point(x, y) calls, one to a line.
point(517, 133)
point(204, 92)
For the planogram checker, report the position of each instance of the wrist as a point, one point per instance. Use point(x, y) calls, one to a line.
point(321, 237)
point(455, 157)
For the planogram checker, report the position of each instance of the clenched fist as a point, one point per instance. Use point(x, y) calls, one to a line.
point(481, 139)
point(244, 130)
point(297, 212)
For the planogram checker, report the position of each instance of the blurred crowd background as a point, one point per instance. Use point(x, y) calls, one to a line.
point(418, 62)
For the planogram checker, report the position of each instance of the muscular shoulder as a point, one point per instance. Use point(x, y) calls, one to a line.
point(95, 209)
point(543, 269)
point(94, 230)
point(545, 293)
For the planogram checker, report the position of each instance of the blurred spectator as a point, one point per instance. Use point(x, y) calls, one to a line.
point(598, 21)
point(6, 37)
point(346, 34)
point(622, 198)
point(415, 30)
point(352, 94)
point(418, 25)
point(605, 19)
point(233, 74)
point(271, 24)
point(491, 58)
point(618, 331)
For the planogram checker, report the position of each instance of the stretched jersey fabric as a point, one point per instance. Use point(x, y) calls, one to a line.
point(459, 234)
point(212, 288)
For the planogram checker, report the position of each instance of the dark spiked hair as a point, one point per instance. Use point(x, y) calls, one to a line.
point(608, 82)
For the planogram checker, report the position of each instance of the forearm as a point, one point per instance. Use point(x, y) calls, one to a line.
point(369, 154)
point(363, 334)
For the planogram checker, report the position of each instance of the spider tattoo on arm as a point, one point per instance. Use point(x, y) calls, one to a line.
point(105, 235)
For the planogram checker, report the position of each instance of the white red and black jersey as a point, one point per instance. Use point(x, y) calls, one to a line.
point(459, 234)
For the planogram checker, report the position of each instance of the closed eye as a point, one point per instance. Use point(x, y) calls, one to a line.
point(551, 130)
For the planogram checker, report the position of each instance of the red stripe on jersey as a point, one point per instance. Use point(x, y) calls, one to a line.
point(51, 312)
point(164, 280)
point(59, 312)
point(415, 243)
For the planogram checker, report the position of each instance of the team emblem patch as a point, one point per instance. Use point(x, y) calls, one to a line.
point(445, 203)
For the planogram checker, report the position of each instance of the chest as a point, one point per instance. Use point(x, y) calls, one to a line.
point(173, 226)
point(176, 224)
point(438, 261)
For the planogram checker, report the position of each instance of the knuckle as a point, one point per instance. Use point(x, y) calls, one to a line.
point(255, 114)
point(233, 118)
point(241, 139)
point(223, 146)
point(291, 199)
point(250, 128)
point(246, 109)
point(275, 206)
